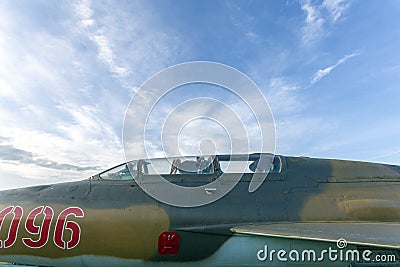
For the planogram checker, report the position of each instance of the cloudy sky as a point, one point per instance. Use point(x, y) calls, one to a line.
point(330, 71)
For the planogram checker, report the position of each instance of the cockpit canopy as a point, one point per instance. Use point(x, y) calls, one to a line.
point(195, 165)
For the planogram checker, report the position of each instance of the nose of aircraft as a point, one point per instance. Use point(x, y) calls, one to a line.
point(64, 220)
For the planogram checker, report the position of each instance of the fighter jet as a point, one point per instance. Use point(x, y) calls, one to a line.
point(306, 212)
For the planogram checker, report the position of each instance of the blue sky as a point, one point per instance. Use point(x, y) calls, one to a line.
point(330, 71)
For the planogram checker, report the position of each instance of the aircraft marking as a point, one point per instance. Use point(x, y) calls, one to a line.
point(168, 243)
point(43, 230)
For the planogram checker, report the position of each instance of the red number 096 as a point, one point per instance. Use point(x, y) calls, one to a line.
point(43, 230)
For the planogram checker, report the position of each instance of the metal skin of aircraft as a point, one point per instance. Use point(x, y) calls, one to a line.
point(296, 217)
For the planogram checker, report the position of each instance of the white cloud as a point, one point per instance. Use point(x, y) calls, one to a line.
point(283, 97)
point(314, 23)
point(319, 17)
point(59, 106)
point(105, 53)
point(335, 8)
point(42, 156)
point(83, 9)
point(129, 40)
point(323, 72)
point(312, 12)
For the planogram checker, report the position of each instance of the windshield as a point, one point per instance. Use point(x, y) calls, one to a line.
point(121, 172)
point(255, 163)
point(181, 165)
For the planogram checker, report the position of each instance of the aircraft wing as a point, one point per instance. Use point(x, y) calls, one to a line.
point(377, 234)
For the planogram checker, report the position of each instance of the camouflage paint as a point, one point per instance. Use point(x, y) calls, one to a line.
point(122, 224)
